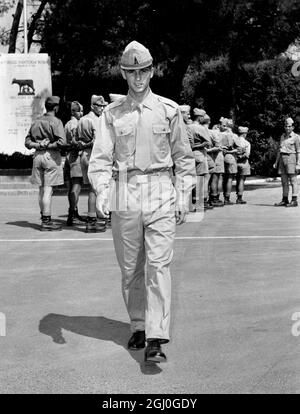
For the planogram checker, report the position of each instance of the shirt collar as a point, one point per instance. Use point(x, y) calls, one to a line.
point(148, 102)
point(93, 115)
point(289, 135)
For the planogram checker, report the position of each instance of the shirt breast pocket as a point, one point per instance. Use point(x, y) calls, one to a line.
point(161, 138)
point(124, 142)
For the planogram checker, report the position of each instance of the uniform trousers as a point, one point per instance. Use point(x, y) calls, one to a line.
point(143, 235)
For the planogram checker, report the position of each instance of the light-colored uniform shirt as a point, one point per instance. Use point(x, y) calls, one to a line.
point(200, 135)
point(87, 128)
point(71, 130)
point(241, 142)
point(46, 127)
point(114, 147)
point(289, 144)
point(189, 132)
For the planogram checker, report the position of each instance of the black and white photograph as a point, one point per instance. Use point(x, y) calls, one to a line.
point(149, 209)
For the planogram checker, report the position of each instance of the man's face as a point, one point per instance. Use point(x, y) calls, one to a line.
point(288, 127)
point(186, 116)
point(138, 80)
point(97, 108)
point(77, 114)
point(223, 126)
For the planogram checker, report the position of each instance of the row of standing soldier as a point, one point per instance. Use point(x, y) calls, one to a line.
point(222, 155)
point(75, 141)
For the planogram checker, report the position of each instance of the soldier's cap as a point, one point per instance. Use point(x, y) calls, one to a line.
point(243, 130)
point(135, 56)
point(52, 100)
point(76, 106)
point(199, 112)
point(98, 99)
point(223, 120)
point(230, 122)
point(184, 108)
point(289, 121)
point(115, 96)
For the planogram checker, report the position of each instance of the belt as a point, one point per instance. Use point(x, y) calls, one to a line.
point(139, 178)
point(287, 153)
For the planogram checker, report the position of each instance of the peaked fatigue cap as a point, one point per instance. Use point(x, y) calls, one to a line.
point(185, 108)
point(243, 130)
point(199, 112)
point(98, 99)
point(54, 100)
point(289, 121)
point(135, 56)
point(223, 120)
point(76, 106)
point(230, 122)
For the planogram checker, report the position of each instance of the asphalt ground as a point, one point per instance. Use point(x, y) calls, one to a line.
point(235, 289)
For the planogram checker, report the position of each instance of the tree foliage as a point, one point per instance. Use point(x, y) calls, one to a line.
point(5, 5)
point(222, 54)
point(266, 93)
point(85, 38)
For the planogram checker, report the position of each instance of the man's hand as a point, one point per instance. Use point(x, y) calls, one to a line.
point(180, 216)
point(240, 151)
point(44, 143)
point(275, 165)
point(80, 145)
point(102, 204)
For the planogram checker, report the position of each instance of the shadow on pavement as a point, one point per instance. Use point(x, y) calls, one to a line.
point(25, 224)
point(252, 187)
point(97, 327)
point(263, 204)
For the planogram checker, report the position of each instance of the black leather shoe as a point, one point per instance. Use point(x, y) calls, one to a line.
point(137, 340)
point(93, 226)
point(240, 201)
point(282, 203)
point(293, 203)
point(153, 352)
point(50, 226)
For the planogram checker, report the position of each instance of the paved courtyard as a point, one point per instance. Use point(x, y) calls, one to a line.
point(236, 285)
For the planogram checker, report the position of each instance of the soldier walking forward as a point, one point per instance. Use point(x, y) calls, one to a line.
point(139, 139)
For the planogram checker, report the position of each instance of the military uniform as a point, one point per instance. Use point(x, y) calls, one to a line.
point(86, 135)
point(72, 167)
point(138, 143)
point(201, 141)
point(47, 163)
point(87, 127)
point(47, 137)
point(243, 148)
point(288, 163)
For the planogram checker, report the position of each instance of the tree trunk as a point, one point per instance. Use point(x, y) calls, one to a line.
point(15, 27)
point(35, 19)
point(234, 72)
